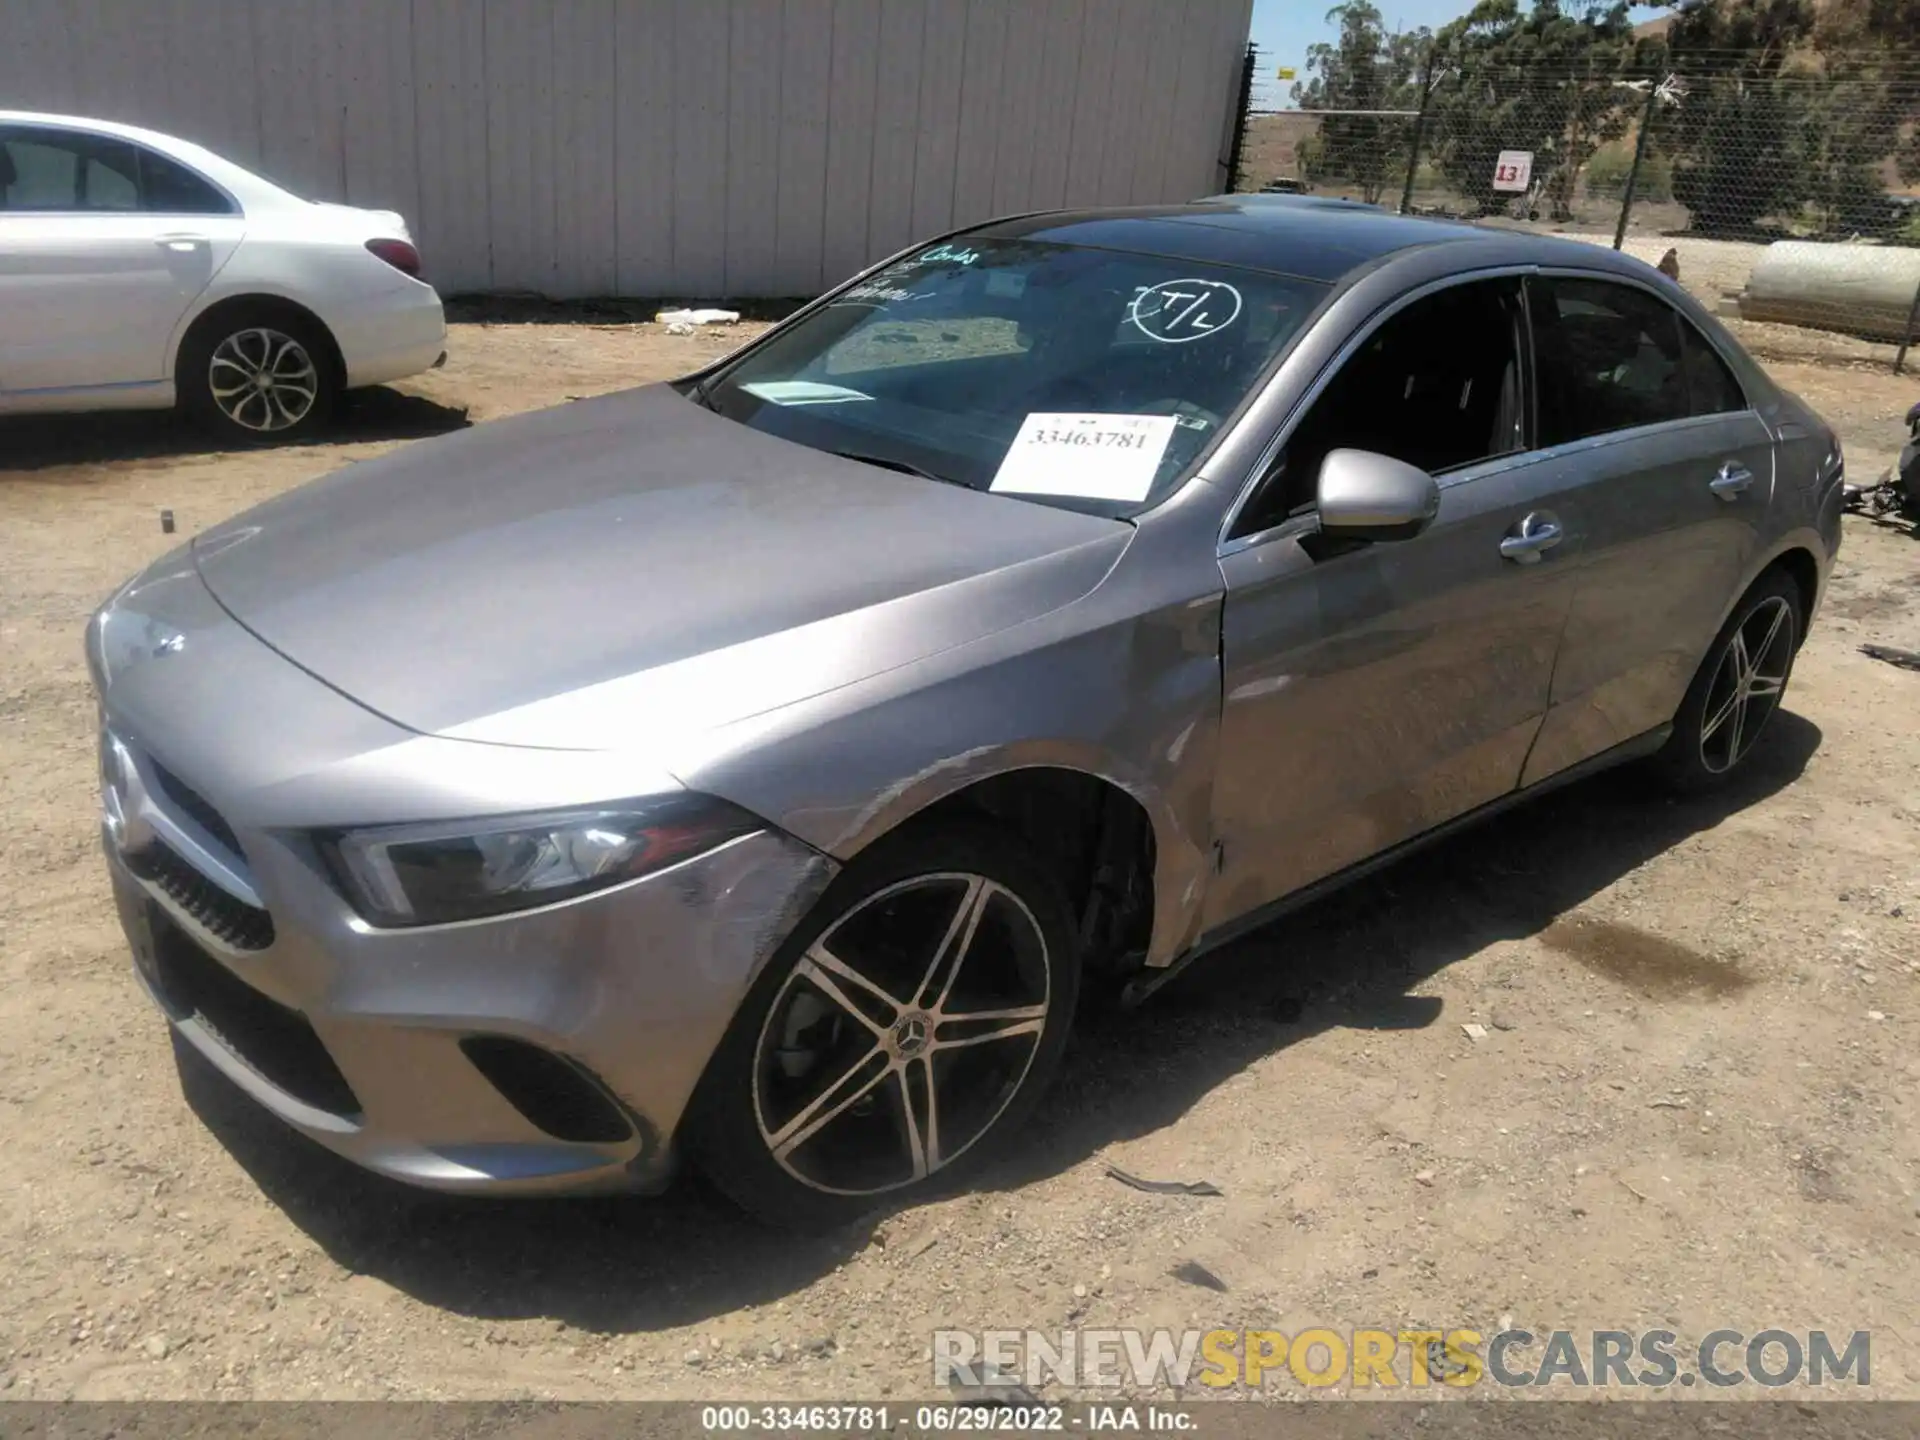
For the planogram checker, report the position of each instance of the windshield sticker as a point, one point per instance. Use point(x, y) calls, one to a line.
point(803, 392)
point(1009, 284)
point(1176, 311)
point(1089, 457)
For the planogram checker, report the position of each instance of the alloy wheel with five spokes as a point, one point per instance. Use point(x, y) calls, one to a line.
point(915, 1017)
point(1748, 684)
point(1737, 689)
point(902, 1034)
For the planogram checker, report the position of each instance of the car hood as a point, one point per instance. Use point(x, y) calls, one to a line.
point(598, 575)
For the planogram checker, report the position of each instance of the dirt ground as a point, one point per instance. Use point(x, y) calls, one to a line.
point(1694, 1104)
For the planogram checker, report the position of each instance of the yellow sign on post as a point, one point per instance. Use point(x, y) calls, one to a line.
point(1286, 72)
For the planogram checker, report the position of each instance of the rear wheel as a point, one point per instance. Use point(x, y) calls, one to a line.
point(1738, 688)
point(257, 376)
point(913, 1020)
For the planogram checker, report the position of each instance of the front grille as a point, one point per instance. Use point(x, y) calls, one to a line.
point(190, 800)
point(243, 926)
point(275, 1040)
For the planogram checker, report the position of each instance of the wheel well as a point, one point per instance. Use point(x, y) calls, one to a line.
point(1804, 571)
point(269, 305)
point(1097, 839)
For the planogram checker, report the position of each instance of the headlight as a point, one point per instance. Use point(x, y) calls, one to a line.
point(431, 874)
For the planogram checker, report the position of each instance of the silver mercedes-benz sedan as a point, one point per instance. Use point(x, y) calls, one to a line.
point(759, 767)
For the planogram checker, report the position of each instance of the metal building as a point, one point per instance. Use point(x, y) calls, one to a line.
point(686, 148)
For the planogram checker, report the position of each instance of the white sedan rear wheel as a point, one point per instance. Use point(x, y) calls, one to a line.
point(257, 377)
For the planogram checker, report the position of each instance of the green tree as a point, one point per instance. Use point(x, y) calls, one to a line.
point(1860, 24)
point(1852, 126)
point(1364, 69)
point(1746, 139)
point(1867, 101)
point(1542, 80)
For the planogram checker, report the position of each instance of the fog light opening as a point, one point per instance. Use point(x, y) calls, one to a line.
point(552, 1093)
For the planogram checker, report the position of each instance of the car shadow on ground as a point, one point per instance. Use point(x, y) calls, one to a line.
point(620, 1265)
point(43, 442)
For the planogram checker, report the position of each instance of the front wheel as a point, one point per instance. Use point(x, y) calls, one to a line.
point(257, 377)
point(1738, 688)
point(914, 1018)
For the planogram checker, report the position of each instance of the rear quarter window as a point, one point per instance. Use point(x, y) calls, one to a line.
point(1712, 388)
point(170, 188)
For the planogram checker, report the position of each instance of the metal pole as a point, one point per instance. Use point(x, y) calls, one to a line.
point(1633, 172)
point(1237, 152)
point(1906, 335)
point(1419, 129)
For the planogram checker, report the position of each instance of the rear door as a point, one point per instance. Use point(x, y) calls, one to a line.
point(1665, 473)
point(1375, 691)
point(104, 244)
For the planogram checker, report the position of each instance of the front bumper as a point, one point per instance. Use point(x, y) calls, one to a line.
point(547, 1050)
point(353, 1036)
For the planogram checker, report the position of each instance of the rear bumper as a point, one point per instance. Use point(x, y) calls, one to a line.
point(391, 335)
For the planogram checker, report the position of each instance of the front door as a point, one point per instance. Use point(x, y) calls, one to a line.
point(1665, 474)
point(1375, 691)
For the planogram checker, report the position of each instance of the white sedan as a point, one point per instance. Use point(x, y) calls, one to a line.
point(138, 271)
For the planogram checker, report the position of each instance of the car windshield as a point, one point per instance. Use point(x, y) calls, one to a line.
point(1081, 377)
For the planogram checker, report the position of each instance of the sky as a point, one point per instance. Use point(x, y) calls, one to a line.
point(1283, 29)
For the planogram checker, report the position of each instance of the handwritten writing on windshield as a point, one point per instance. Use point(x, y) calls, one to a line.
point(1177, 311)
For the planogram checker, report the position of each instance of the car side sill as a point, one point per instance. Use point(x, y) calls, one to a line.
point(121, 395)
point(1144, 985)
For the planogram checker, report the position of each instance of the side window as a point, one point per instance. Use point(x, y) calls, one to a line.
point(1606, 356)
point(169, 188)
point(1438, 385)
point(35, 175)
point(1712, 388)
point(61, 170)
point(109, 178)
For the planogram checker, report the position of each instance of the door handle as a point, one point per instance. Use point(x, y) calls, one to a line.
point(180, 244)
point(1731, 481)
point(1531, 538)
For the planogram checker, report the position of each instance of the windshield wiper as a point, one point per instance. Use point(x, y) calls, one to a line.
point(902, 466)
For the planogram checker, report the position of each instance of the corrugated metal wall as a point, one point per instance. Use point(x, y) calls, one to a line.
point(692, 148)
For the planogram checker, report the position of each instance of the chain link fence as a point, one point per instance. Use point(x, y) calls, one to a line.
point(1778, 194)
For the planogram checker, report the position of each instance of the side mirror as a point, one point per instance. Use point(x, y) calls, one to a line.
point(1365, 496)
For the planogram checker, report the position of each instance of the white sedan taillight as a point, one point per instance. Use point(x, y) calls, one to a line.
point(398, 253)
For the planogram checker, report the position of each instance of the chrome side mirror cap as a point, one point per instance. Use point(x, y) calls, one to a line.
point(1367, 496)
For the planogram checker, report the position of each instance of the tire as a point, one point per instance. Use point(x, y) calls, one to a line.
point(257, 375)
point(1714, 735)
point(838, 1090)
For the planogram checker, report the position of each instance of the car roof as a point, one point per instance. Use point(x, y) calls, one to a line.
point(1311, 237)
point(83, 122)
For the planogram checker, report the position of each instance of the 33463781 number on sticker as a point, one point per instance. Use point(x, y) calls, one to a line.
point(1087, 456)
